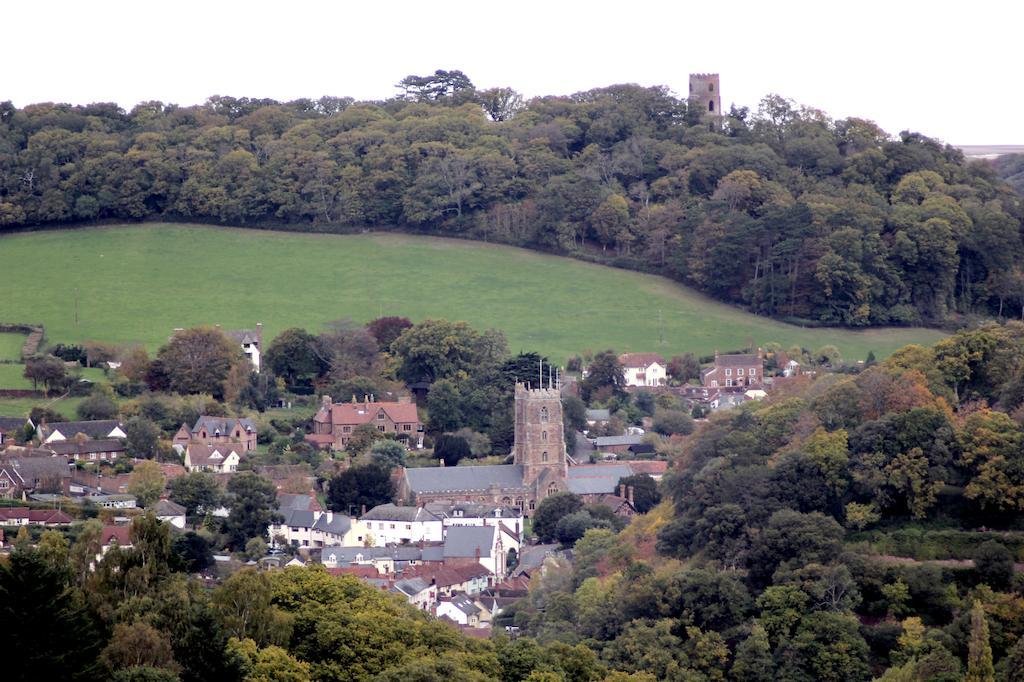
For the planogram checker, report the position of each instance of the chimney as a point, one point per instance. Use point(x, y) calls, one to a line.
point(366, 399)
point(363, 512)
point(325, 402)
point(622, 490)
point(440, 462)
point(330, 515)
point(373, 398)
point(629, 495)
point(404, 399)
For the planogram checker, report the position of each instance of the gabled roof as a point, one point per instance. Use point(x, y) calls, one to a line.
point(348, 555)
point(338, 524)
point(599, 415)
point(224, 426)
point(643, 360)
point(464, 603)
point(35, 470)
point(93, 429)
point(469, 542)
point(394, 512)
point(353, 414)
point(738, 360)
point(410, 587)
point(473, 510)
point(443, 479)
point(596, 479)
point(447, 576)
point(243, 336)
point(9, 424)
point(202, 455)
point(289, 501)
point(168, 508)
point(34, 516)
point(122, 535)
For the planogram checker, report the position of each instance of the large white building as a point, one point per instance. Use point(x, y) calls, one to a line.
point(644, 369)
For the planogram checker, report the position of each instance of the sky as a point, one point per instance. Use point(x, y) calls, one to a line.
point(950, 70)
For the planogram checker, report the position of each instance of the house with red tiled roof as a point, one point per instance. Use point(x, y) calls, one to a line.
point(644, 369)
point(334, 423)
point(23, 516)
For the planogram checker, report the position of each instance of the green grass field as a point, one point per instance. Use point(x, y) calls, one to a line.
point(20, 407)
point(137, 283)
point(10, 345)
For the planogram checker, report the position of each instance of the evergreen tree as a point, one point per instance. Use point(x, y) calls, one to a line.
point(754, 658)
point(979, 651)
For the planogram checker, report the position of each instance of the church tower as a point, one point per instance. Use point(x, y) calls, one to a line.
point(539, 438)
point(706, 93)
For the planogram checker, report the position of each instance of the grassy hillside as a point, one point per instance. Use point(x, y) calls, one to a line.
point(10, 344)
point(137, 283)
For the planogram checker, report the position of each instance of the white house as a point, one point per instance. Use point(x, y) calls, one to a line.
point(644, 369)
point(301, 528)
point(460, 609)
point(488, 545)
point(389, 524)
point(417, 591)
point(219, 459)
point(478, 514)
point(386, 560)
point(171, 513)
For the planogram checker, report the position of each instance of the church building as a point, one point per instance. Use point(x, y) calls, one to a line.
point(540, 466)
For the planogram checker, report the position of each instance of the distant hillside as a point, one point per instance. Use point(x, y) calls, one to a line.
point(1011, 169)
point(137, 283)
point(783, 210)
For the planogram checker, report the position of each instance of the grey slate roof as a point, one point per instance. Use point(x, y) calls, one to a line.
point(288, 501)
point(473, 510)
point(93, 429)
point(598, 415)
point(349, 555)
point(300, 518)
point(168, 508)
point(465, 604)
point(738, 360)
point(469, 541)
point(224, 425)
point(393, 512)
point(410, 587)
point(596, 480)
point(9, 424)
point(531, 557)
point(443, 479)
point(610, 441)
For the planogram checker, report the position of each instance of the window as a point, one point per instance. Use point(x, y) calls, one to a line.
point(380, 415)
point(346, 429)
point(711, 106)
point(711, 87)
point(407, 427)
point(543, 414)
point(728, 372)
point(544, 436)
point(4, 483)
point(380, 428)
point(753, 371)
point(739, 371)
point(544, 456)
point(552, 489)
point(392, 525)
point(533, 504)
point(408, 526)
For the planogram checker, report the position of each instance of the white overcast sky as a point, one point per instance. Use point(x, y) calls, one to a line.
point(951, 70)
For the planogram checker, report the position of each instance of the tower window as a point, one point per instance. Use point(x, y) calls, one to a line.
point(544, 436)
point(711, 106)
point(711, 87)
point(544, 456)
point(543, 414)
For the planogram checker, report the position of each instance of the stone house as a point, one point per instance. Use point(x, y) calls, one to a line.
point(219, 431)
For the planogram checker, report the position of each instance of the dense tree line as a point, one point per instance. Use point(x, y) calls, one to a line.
point(769, 561)
point(136, 614)
point(783, 209)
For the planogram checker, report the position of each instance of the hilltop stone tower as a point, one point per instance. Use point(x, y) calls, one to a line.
point(706, 93)
point(539, 440)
